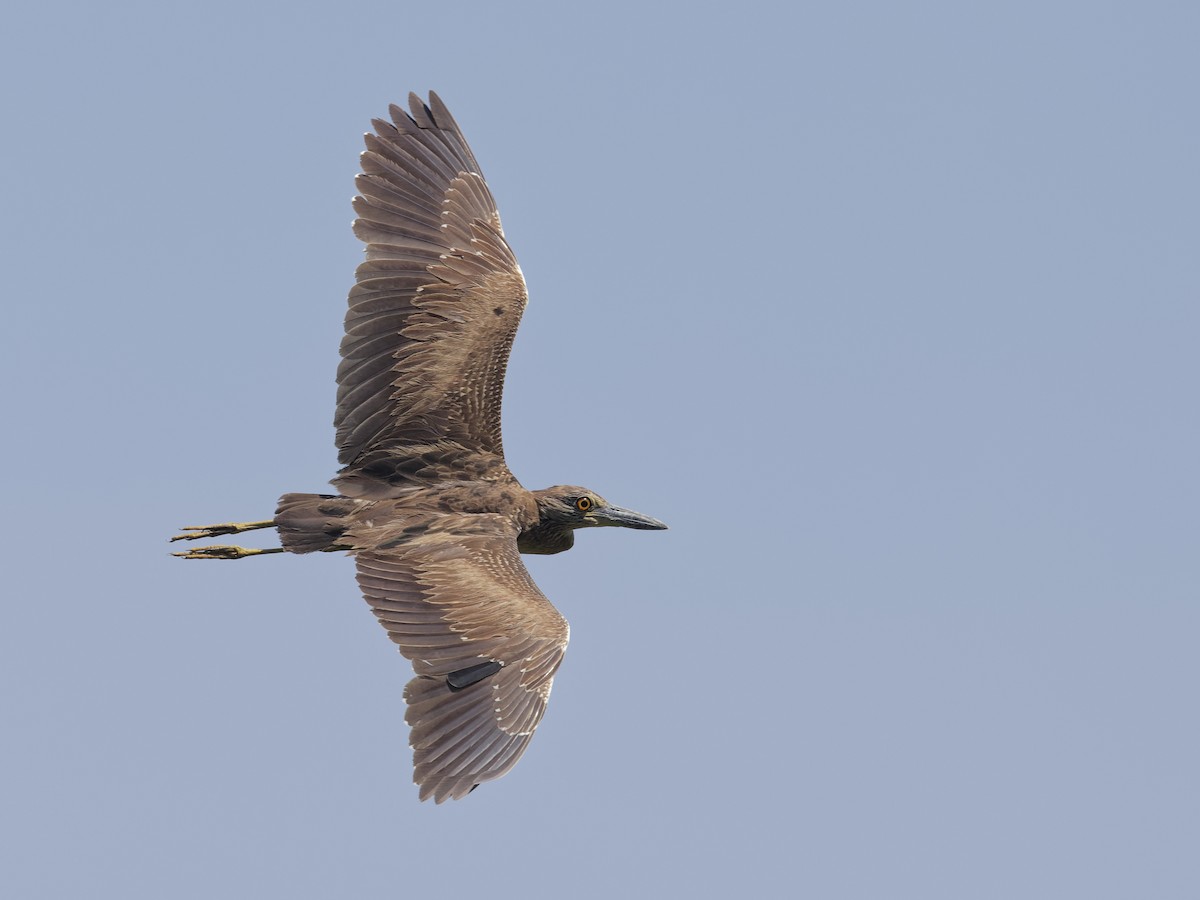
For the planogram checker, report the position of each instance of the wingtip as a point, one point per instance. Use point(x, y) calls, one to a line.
point(420, 112)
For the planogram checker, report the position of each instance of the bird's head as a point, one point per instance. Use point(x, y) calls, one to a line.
point(564, 508)
point(570, 506)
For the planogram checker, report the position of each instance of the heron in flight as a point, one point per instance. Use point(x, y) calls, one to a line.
point(426, 503)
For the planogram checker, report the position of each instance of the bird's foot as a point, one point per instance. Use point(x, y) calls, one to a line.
point(195, 532)
point(225, 551)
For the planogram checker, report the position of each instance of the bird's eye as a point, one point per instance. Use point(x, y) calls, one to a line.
point(583, 504)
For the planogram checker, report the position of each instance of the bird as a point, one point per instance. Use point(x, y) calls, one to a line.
point(426, 504)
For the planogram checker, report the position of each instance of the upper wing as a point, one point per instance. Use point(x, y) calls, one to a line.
point(435, 308)
point(484, 642)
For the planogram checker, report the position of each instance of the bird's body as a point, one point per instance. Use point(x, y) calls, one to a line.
point(427, 505)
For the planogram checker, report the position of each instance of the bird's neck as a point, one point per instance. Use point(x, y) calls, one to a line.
point(545, 538)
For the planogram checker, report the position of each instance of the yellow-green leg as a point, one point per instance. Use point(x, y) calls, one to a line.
point(225, 551)
point(221, 551)
point(195, 532)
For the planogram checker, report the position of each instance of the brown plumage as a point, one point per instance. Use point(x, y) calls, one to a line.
point(428, 507)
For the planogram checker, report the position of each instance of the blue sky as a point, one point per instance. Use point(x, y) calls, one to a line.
point(890, 311)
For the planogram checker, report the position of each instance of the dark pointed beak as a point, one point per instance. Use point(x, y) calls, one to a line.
point(624, 518)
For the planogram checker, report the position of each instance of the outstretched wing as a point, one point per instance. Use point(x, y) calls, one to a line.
point(434, 311)
point(484, 643)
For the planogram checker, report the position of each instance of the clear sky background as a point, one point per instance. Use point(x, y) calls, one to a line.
point(891, 311)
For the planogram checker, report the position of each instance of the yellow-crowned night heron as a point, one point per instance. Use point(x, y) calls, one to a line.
point(427, 506)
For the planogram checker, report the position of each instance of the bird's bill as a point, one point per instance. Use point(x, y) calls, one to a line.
point(624, 518)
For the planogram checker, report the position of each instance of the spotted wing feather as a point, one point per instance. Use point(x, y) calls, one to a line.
point(434, 310)
point(453, 593)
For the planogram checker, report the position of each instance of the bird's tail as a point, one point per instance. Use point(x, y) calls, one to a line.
point(311, 522)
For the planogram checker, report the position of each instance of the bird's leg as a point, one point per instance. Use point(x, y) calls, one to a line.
point(225, 551)
point(195, 532)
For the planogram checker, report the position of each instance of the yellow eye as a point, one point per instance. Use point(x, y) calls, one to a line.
point(583, 504)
